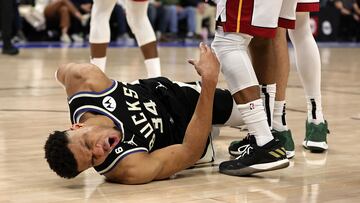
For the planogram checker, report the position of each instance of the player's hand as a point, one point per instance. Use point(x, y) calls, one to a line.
point(207, 66)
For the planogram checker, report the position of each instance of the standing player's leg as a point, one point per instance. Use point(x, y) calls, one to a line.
point(257, 19)
point(270, 59)
point(280, 128)
point(140, 25)
point(236, 66)
point(262, 53)
point(145, 36)
point(100, 31)
point(278, 67)
point(309, 68)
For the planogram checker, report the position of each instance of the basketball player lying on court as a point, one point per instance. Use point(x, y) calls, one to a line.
point(137, 132)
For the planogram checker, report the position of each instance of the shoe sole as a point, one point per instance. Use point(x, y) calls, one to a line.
point(315, 147)
point(289, 154)
point(257, 168)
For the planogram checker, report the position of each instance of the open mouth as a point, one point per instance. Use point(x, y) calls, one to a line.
point(113, 141)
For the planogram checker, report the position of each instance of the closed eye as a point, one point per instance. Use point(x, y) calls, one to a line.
point(92, 160)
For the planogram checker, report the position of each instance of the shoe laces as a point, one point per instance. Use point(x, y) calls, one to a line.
point(244, 150)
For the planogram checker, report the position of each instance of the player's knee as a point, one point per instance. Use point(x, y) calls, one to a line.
point(142, 29)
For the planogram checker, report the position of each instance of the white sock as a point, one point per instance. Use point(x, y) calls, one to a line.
point(279, 122)
point(308, 64)
point(314, 112)
point(153, 67)
point(255, 119)
point(267, 94)
point(99, 62)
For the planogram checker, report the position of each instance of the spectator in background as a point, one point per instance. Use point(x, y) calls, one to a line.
point(7, 10)
point(164, 23)
point(348, 19)
point(154, 12)
point(187, 10)
point(356, 7)
point(173, 12)
point(205, 10)
point(82, 27)
point(56, 11)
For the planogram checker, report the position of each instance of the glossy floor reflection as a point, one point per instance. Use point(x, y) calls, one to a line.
point(32, 105)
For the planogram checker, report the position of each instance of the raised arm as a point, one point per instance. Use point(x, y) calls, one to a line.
point(340, 6)
point(163, 163)
point(178, 157)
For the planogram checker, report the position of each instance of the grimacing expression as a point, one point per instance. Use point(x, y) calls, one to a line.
point(91, 144)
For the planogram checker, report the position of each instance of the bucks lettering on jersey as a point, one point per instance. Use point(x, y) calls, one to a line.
point(143, 120)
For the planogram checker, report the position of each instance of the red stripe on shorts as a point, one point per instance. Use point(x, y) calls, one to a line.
point(308, 7)
point(286, 23)
point(232, 10)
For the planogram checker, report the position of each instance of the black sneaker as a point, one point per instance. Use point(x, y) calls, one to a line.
point(10, 50)
point(255, 159)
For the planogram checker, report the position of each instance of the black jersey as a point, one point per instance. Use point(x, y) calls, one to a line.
point(151, 114)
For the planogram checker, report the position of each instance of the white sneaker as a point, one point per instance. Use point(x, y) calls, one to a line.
point(65, 38)
point(77, 38)
point(84, 19)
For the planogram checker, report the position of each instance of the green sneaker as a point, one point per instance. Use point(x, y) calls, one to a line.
point(287, 141)
point(315, 137)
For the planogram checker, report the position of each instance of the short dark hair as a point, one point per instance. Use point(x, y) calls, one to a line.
point(58, 155)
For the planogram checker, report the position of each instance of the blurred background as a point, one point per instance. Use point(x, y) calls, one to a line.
point(176, 22)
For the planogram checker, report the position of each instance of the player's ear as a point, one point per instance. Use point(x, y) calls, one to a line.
point(76, 126)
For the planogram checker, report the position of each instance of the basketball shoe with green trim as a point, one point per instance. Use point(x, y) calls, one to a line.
point(315, 137)
point(286, 140)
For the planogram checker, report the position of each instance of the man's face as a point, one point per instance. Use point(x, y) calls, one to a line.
point(91, 144)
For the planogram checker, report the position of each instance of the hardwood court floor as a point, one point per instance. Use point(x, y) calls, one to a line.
point(32, 105)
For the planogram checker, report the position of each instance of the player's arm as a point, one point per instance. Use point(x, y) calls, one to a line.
point(77, 77)
point(160, 164)
point(340, 6)
point(356, 8)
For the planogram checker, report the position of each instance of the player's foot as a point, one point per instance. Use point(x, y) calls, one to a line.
point(10, 50)
point(315, 137)
point(286, 141)
point(255, 159)
point(85, 19)
point(65, 38)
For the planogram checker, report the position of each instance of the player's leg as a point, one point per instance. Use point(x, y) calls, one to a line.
point(262, 52)
point(280, 129)
point(100, 31)
point(309, 68)
point(236, 66)
point(280, 70)
point(140, 25)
